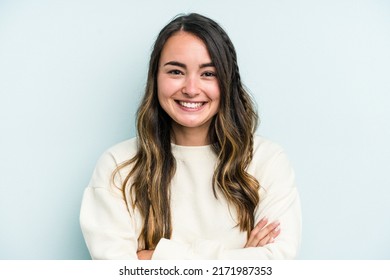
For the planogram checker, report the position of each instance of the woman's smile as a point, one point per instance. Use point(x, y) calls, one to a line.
point(190, 106)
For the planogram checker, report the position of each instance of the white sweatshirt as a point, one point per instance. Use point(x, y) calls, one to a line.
point(203, 227)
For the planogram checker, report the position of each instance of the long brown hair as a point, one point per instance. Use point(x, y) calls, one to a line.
point(231, 134)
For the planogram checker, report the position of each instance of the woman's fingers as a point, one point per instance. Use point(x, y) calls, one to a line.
point(145, 254)
point(264, 241)
point(262, 235)
point(270, 237)
point(255, 231)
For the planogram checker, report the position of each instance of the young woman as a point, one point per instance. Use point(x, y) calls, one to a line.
point(195, 183)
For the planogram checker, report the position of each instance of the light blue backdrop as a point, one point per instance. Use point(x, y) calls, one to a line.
point(72, 73)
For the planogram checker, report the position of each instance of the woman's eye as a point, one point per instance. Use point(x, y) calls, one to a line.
point(175, 72)
point(209, 74)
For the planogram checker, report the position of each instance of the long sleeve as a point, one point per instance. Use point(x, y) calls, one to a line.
point(279, 201)
point(107, 225)
point(204, 227)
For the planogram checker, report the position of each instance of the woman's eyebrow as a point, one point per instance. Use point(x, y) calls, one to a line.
point(182, 65)
point(175, 63)
point(210, 64)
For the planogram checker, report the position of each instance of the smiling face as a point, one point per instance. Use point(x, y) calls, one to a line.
point(188, 89)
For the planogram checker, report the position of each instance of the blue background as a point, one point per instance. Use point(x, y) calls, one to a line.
point(72, 74)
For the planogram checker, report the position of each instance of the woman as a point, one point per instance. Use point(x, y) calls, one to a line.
point(195, 183)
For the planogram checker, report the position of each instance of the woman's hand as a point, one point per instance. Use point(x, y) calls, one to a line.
point(145, 254)
point(262, 235)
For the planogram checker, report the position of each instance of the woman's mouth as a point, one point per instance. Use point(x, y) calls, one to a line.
point(191, 105)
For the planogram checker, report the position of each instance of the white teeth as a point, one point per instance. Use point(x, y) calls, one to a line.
point(191, 105)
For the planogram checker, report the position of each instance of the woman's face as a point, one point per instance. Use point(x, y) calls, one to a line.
point(187, 84)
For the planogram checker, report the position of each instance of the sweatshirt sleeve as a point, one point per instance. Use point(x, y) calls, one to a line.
point(279, 200)
point(106, 222)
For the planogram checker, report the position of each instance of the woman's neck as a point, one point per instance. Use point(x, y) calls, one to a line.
point(185, 136)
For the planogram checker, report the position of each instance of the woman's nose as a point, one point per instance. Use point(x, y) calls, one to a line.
point(191, 87)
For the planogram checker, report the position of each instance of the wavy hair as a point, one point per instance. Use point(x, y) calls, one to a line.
point(231, 133)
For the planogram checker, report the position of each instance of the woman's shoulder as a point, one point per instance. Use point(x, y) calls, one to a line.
point(267, 153)
point(119, 153)
point(123, 150)
point(109, 161)
point(265, 147)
